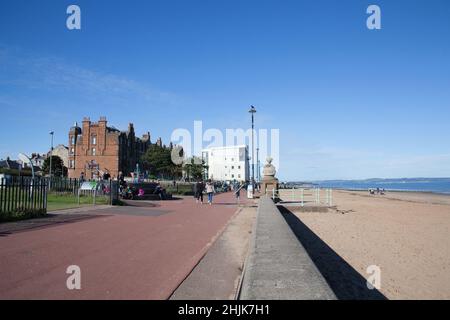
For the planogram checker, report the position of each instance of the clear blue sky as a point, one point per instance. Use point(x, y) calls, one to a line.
point(349, 102)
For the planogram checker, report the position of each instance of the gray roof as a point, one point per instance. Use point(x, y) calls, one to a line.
point(9, 164)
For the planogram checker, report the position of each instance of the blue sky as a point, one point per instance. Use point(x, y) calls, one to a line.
point(349, 102)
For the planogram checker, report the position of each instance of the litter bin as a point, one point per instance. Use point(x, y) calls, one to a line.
point(250, 191)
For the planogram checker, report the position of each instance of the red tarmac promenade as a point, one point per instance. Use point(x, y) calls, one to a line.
point(123, 252)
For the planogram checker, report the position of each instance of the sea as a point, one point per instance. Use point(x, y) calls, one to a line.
point(435, 185)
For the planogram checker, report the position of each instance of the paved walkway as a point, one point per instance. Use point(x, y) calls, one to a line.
point(123, 252)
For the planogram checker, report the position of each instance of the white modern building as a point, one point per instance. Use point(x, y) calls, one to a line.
point(227, 163)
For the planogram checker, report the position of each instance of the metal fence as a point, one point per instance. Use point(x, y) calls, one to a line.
point(63, 185)
point(305, 196)
point(60, 185)
point(25, 196)
point(22, 195)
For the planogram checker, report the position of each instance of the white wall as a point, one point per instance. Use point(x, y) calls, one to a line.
point(227, 163)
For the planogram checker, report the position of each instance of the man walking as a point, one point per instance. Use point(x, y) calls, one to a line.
point(199, 188)
point(238, 188)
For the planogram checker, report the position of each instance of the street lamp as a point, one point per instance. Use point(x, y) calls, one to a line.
point(25, 159)
point(258, 170)
point(253, 111)
point(52, 133)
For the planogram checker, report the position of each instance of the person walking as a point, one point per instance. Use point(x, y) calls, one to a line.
point(199, 188)
point(195, 189)
point(82, 179)
point(210, 191)
point(238, 188)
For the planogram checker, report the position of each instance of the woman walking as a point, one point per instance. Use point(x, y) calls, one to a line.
point(210, 191)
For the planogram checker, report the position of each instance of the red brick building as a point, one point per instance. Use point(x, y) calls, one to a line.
point(95, 148)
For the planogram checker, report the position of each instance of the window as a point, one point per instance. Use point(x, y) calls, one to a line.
point(239, 167)
point(232, 167)
point(72, 150)
point(94, 151)
point(72, 140)
point(94, 140)
point(232, 176)
point(239, 176)
point(241, 154)
point(72, 164)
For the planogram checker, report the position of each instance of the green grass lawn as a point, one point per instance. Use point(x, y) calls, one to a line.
point(60, 202)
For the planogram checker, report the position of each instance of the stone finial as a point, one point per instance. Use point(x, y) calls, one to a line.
point(269, 168)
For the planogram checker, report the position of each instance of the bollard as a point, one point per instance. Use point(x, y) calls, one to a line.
point(302, 197)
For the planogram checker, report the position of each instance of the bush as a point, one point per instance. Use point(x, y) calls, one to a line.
point(21, 215)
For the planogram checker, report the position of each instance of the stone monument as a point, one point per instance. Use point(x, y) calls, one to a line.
point(269, 182)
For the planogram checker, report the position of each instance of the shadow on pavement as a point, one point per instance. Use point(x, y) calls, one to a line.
point(50, 220)
point(344, 280)
point(225, 203)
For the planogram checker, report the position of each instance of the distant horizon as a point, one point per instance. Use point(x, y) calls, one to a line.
point(434, 185)
point(367, 179)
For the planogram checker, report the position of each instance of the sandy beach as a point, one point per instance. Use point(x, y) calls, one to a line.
point(406, 234)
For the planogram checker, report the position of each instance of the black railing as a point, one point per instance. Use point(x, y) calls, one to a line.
point(22, 196)
point(63, 185)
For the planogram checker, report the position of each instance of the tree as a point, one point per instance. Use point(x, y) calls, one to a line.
point(158, 161)
point(58, 168)
point(195, 168)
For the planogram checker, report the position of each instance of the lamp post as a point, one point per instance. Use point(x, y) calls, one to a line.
point(253, 111)
point(51, 156)
point(25, 159)
point(258, 170)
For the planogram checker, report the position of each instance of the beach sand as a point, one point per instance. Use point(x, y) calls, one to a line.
point(406, 234)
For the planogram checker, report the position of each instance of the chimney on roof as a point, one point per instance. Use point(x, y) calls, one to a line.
point(146, 136)
point(130, 128)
